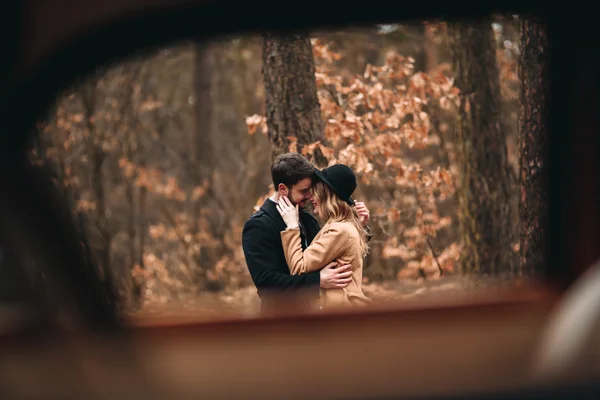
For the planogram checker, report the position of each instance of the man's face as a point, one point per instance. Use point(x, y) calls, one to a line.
point(300, 192)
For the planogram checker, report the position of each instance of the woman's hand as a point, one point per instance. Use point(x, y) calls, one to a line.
point(288, 212)
point(363, 212)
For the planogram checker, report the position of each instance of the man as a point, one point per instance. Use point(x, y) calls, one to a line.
point(292, 177)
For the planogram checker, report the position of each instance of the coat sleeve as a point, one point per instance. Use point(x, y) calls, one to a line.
point(329, 246)
point(261, 258)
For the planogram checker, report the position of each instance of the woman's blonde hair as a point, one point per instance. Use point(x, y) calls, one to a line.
point(334, 209)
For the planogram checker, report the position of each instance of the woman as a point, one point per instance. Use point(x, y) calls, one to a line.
point(342, 236)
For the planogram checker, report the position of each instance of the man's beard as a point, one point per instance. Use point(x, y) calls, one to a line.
point(301, 204)
point(308, 206)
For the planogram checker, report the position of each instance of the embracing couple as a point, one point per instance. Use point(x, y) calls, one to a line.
point(293, 260)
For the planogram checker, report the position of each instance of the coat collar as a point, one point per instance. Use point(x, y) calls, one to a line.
point(269, 208)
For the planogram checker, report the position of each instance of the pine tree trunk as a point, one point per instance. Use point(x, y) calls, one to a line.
point(485, 181)
point(292, 105)
point(533, 144)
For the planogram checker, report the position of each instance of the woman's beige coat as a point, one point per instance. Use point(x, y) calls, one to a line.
point(335, 241)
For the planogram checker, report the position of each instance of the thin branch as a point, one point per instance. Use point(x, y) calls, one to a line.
point(435, 256)
point(441, 270)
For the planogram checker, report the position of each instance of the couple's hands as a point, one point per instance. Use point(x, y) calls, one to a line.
point(335, 275)
point(288, 212)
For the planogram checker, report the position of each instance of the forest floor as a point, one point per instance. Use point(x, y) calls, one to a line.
point(246, 302)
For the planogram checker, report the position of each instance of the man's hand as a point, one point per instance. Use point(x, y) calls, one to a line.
point(334, 276)
point(363, 212)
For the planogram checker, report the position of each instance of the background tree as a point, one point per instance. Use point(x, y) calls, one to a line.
point(485, 180)
point(533, 143)
point(292, 105)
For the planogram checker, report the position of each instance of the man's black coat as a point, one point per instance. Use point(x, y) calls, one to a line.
point(261, 241)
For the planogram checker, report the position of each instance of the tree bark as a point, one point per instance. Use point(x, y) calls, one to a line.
point(533, 144)
point(485, 182)
point(292, 105)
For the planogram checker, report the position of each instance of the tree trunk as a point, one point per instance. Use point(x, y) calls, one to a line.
point(135, 152)
point(430, 49)
point(484, 180)
point(292, 105)
point(533, 144)
point(420, 52)
point(203, 144)
point(205, 157)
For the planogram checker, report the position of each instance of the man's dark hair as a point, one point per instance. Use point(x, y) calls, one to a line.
point(289, 168)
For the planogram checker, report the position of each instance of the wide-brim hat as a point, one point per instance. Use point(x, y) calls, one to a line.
point(341, 179)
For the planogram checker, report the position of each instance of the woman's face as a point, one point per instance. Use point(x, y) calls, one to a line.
point(315, 203)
